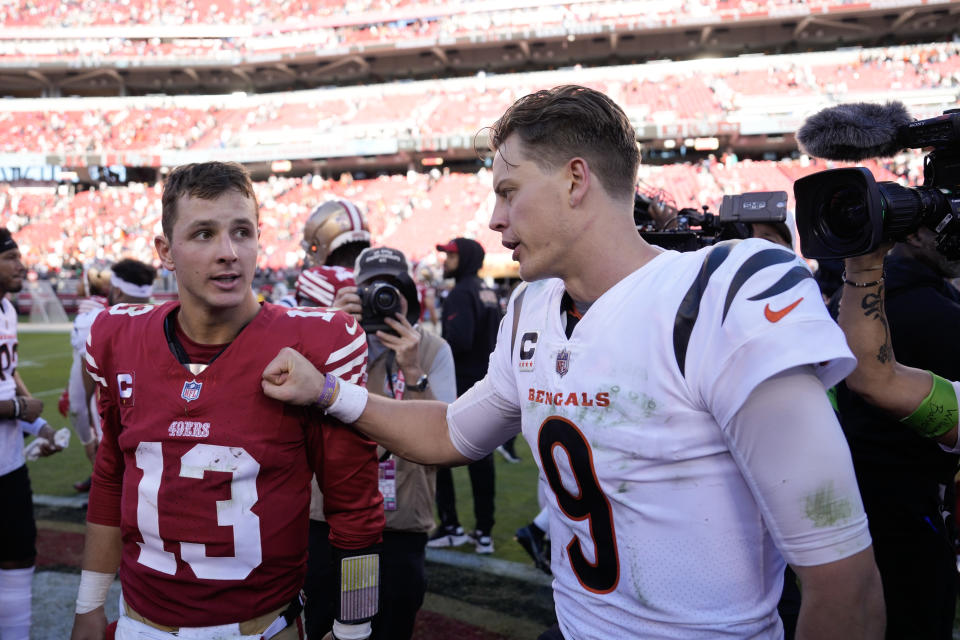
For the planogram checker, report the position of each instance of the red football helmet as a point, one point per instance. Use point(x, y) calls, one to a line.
point(331, 225)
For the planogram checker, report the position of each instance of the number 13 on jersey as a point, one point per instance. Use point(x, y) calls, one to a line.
point(235, 512)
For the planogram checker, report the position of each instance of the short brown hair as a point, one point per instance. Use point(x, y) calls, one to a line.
point(204, 180)
point(569, 121)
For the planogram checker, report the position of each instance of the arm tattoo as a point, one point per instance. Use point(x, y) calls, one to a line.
point(872, 305)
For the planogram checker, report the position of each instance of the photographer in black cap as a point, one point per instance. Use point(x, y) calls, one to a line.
point(408, 363)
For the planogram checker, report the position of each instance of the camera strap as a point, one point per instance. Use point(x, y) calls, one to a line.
point(395, 382)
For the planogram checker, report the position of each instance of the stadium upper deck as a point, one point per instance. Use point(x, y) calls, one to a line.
point(730, 99)
point(51, 48)
point(298, 14)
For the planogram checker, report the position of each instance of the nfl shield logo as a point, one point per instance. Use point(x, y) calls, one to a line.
point(563, 362)
point(191, 390)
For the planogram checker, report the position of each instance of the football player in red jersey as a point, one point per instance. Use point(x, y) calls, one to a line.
point(202, 484)
point(335, 233)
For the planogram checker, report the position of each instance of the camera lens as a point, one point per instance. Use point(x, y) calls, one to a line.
point(386, 300)
point(844, 212)
point(840, 212)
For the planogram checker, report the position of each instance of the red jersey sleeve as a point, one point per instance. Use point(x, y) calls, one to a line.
point(318, 286)
point(345, 462)
point(106, 489)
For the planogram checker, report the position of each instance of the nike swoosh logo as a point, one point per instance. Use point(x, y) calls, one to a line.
point(777, 316)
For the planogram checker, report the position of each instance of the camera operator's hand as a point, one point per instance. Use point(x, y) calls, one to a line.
point(868, 267)
point(406, 344)
point(348, 300)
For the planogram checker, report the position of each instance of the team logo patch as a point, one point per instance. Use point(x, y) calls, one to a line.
point(563, 362)
point(191, 390)
point(528, 346)
point(777, 316)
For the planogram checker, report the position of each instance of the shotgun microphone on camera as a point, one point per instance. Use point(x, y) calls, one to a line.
point(855, 131)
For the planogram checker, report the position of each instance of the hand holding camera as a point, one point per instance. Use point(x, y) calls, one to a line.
point(867, 267)
point(404, 341)
point(347, 299)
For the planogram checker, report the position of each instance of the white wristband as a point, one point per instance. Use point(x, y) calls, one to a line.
point(93, 590)
point(33, 428)
point(349, 403)
point(343, 631)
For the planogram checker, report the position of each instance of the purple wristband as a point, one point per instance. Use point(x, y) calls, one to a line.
point(329, 393)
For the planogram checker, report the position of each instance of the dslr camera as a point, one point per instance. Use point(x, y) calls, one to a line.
point(845, 212)
point(378, 300)
point(697, 229)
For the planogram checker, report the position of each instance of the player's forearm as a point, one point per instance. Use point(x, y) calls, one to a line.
point(415, 430)
point(21, 386)
point(101, 549)
point(842, 600)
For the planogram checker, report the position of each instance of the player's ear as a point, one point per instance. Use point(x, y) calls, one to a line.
point(578, 174)
point(162, 245)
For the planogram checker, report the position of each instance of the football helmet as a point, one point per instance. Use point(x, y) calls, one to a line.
point(98, 278)
point(331, 225)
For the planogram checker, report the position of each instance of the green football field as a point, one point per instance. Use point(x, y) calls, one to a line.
point(45, 360)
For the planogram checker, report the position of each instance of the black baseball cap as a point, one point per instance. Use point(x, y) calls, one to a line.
point(381, 261)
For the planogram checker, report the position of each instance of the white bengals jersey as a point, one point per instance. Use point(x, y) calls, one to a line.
point(11, 438)
point(656, 532)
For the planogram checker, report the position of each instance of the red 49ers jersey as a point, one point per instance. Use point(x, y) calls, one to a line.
point(319, 285)
point(208, 478)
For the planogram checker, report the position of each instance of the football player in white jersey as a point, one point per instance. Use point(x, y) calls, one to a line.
point(18, 410)
point(82, 415)
point(128, 281)
point(674, 402)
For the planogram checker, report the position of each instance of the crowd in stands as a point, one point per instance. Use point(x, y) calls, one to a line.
point(56, 227)
point(292, 26)
point(679, 92)
point(78, 13)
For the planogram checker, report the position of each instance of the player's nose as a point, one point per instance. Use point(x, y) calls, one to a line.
point(227, 248)
point(498, 219)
